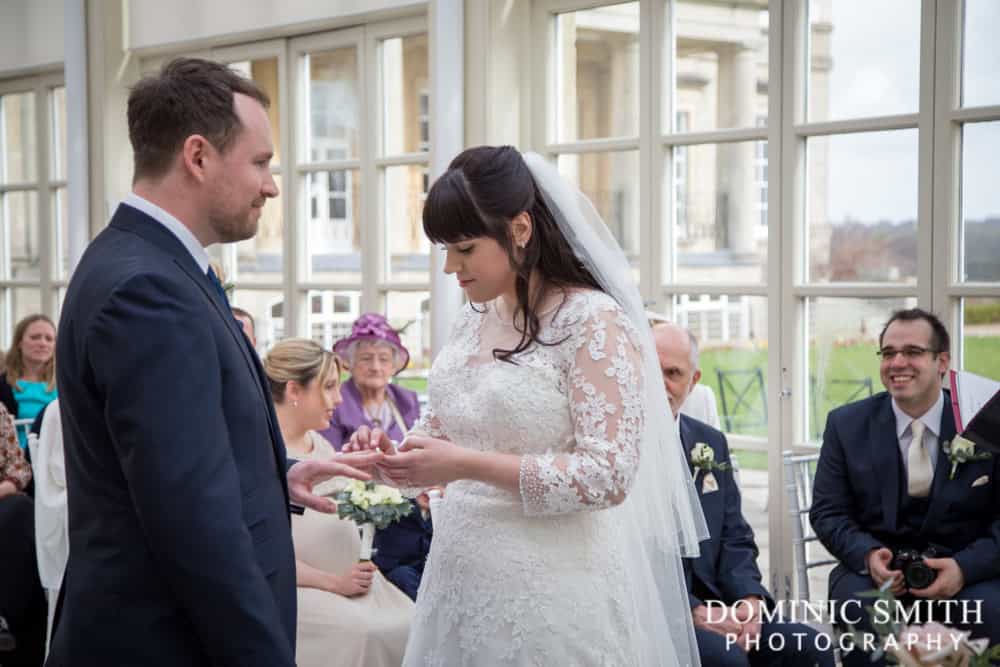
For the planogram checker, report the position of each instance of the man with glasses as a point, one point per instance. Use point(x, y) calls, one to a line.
point(884, 485)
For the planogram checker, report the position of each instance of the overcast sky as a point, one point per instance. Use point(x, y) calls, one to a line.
point(876, 55)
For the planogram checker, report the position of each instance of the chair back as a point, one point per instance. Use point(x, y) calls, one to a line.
point(799, 471)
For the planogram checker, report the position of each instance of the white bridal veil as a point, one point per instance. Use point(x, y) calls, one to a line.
point(661, 517)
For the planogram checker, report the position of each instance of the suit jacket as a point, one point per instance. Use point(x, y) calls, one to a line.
point(350, 414)
point(180, 543)
point(406, 542)
point(727, 564)
point(858, 485)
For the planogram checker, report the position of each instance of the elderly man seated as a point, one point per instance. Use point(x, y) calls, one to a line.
point(724, 584)
point(886, 481)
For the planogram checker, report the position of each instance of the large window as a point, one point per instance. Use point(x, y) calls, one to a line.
point(33, 235)
point(783, 175)
point(351, 128)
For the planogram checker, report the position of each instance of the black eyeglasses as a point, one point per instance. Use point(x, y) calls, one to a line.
point(911, 352)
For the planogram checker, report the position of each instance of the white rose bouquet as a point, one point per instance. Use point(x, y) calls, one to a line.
point(371, 506)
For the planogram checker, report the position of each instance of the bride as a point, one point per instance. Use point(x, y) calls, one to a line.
point(568, 503)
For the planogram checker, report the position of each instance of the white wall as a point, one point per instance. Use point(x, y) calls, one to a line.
point(156, 24)
point(31, 35)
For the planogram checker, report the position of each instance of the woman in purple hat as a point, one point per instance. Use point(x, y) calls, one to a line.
point(374, 354)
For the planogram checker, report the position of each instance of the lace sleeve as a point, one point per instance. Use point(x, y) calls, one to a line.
point(607, 412)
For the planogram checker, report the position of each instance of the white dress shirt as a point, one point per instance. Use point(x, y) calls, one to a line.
point(176, 227)
point(932, 435)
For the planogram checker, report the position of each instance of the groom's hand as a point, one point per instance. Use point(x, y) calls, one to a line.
point(304, 475)
point(369, 439)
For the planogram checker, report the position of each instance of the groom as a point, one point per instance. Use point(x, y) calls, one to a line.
point(180, 544)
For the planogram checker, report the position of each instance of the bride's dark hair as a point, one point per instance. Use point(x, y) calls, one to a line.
point(484, 189)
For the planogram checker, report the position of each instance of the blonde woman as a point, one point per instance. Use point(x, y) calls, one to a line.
point(348, 613)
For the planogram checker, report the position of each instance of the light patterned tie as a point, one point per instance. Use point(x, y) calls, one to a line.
point(918, 463)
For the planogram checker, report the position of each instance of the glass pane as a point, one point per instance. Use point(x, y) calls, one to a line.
point(862, 229)
point(260, 259)
point(980, 203)
point(597, 73)
point(611, 181)
point(330, 315)
point(405, 95)
point(24, 301)
point(410, 314)
point(58, 160)
point(980, 56)
point(18, 138)
point(19, 220)
point(721, 75)
point(332, 105)
point(981, 336)
point(267, 308)
point(732, 337)
point(842, 335)
point(60, 208)
point(864, 58)
point(720, 213)
point(407, 249)
point(264, 72)
point(333, 232)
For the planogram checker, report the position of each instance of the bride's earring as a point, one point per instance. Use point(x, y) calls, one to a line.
point(295, 404)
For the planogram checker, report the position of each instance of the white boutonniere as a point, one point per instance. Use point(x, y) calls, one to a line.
point(703, 458)
point(960, 451)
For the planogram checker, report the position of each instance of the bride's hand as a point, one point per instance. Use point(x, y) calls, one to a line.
point(369, 439)
point(424, 461)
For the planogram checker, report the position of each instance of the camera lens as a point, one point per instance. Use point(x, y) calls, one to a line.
point(919, 575)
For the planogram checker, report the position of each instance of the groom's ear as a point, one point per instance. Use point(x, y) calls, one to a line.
point(520, 229)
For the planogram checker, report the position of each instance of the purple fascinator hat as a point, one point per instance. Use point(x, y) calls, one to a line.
point(372, 327)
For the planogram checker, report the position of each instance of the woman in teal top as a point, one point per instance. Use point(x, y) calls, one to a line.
point(29, 382)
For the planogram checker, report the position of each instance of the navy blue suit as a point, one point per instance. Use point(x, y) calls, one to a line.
point(860, 503)
point(726, 568)
point(401, 550)
point(180, 543)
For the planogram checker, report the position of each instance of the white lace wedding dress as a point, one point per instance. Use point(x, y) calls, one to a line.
point(534, 578)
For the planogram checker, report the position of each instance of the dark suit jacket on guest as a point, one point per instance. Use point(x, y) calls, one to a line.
point(180, 544)
point(726, 568)
point(859, 484)
point(350, 414)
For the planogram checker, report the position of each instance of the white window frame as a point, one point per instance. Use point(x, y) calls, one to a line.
point(46, 185)
point(938, 120)
point(295, 284)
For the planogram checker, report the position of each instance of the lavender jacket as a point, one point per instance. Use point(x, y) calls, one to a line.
point(349, 415)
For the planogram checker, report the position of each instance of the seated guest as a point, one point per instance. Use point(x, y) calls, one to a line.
point(246, 321)
point(701, 405)
point(725, 575)
point(374, 354)
point(348, 613)
point(51, 519)
point(883, 484)
point(28, 382)
point(22, 602)
point(401, 549)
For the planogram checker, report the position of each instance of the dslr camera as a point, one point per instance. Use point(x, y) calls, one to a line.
point(916, 573)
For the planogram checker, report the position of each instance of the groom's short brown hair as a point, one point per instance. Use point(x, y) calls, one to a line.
point(189, 96)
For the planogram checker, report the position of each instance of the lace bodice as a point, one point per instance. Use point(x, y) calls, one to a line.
point(572, 407)
point(534, 577)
